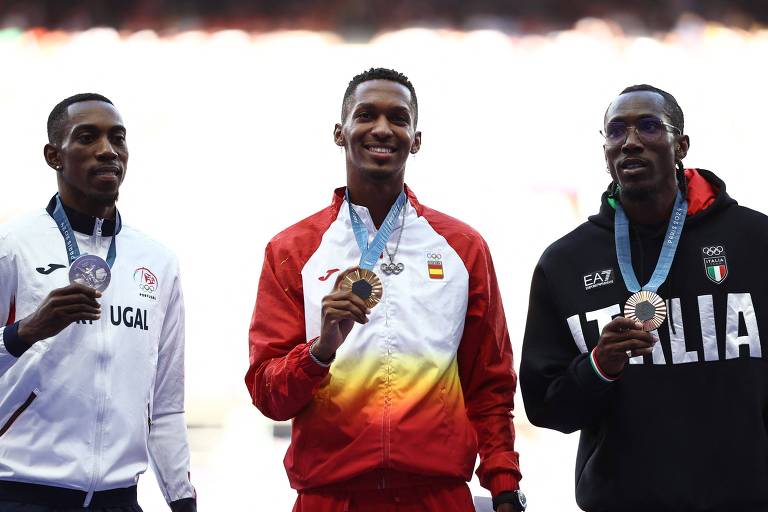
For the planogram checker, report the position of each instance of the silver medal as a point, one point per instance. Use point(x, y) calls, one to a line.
point(91, 271)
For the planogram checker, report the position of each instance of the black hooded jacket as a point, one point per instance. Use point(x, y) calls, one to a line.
point(686, 428)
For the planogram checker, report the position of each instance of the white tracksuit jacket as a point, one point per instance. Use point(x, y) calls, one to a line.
point(84, 409)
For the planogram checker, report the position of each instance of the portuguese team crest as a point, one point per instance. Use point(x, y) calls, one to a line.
point(715, 264)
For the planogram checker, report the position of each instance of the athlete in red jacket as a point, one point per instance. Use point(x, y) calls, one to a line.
point(395, 385)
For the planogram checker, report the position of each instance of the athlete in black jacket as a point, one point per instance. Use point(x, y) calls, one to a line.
point(675, 419)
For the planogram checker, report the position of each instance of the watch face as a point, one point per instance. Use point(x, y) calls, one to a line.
point(521, 497)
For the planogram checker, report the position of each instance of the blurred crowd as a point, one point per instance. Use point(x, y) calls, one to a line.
point(361, 18)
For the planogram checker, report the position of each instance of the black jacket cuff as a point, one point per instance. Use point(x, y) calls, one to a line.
point(13, 343)
point(184, 505)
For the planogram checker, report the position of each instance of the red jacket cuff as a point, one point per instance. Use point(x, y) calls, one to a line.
point(309, 366)
point(503, 482)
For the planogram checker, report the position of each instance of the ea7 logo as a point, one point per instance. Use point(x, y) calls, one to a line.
point(598, 279)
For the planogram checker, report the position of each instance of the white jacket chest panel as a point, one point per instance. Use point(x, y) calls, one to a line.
point(419, 315)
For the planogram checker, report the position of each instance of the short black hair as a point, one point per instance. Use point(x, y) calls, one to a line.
point(58, 116)
point(673, 109)
point(379, 74)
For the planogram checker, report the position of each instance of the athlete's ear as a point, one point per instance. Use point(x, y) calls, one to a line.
point(51, 154)
point(416, 144)
point(338, 138)
point(682, 147)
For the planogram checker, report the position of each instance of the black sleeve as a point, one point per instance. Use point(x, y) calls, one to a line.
point(560, 388)
point(184, 505)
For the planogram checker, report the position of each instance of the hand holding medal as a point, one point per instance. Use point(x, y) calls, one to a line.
point(621, 339)
point(357, 289)
point(338, 313)
point(60, 308)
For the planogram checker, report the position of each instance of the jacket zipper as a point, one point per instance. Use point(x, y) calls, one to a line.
point(101, 389)
point(17, 412)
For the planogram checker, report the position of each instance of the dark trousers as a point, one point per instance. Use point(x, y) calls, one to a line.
point(12, 506)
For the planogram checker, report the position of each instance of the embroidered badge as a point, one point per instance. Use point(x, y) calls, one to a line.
point(435, 265)
point(715, 264)
point(147, 282)
point(598, 279)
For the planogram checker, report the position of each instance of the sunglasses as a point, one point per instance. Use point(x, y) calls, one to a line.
point(648, 129)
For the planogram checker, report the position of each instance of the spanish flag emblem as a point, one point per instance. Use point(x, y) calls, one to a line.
point(435, 266)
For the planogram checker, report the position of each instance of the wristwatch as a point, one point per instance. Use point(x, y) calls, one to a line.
point(516, 498)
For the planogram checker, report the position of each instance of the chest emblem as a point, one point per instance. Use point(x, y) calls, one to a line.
point(715, 264)
point(435, 265)
point(597, 279)
point(147, 282)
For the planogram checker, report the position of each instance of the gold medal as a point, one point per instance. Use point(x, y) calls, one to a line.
point(365, 284)
point(646, 307)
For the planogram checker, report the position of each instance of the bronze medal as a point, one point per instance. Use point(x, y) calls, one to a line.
point(365, 284)
point(647, 307)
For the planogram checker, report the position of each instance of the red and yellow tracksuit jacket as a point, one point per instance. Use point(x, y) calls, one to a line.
point(421, 389)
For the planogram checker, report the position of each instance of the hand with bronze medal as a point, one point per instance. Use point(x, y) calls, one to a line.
point(645, 310)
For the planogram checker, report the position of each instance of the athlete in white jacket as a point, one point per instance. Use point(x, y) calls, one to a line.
point(91, 382)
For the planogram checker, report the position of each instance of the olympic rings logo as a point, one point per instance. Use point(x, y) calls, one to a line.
point(713, 251)
point(147, 287)
point(434, 256)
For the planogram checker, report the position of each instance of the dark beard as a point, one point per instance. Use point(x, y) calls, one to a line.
point(638, 194)
point(105, 199)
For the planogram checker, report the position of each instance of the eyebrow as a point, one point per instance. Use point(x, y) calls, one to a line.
point(623, 119)
point(93, 127)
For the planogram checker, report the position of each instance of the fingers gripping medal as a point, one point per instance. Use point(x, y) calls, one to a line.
point(88, 269)
point(645, 305)
point(363, 282)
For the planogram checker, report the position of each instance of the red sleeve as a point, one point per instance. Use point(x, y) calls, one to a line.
point(282, 377)
point(487, 374)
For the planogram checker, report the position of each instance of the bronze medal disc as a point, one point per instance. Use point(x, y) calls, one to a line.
point(365, 284)
point(646, 307)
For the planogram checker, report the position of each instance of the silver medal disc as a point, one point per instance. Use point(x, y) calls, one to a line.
point(91, 271)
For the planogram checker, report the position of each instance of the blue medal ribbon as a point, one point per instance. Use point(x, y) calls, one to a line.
point(369, 254)
point(70, 243)
point(668, 249)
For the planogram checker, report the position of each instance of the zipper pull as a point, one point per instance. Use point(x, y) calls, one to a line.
point(95, 236)
point(97, 227)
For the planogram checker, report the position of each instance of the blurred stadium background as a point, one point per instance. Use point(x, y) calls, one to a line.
point(230, 107)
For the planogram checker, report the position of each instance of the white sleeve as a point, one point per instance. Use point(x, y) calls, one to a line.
point(8, 286)
point(168, 447)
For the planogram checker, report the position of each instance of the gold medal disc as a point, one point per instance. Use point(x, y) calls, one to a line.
point(365, 284)
point(646, 307)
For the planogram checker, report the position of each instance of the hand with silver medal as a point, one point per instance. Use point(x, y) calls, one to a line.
point(355, 291)
point(60, 308)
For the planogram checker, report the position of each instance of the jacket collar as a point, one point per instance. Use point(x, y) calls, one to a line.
point(81, 222)
point(339, 194)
